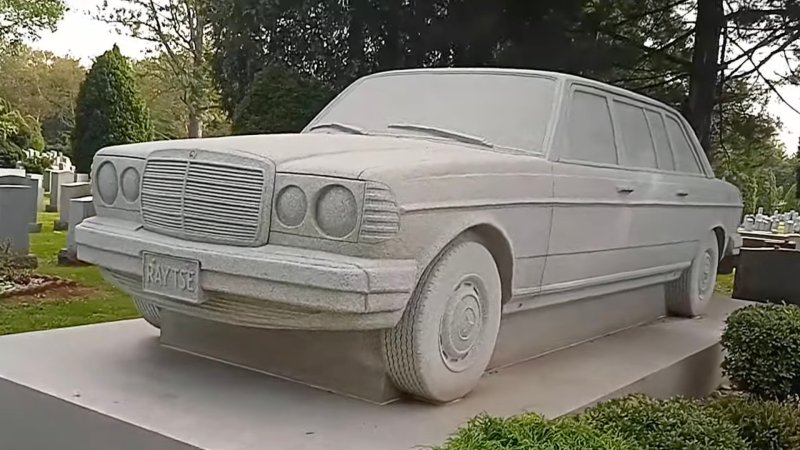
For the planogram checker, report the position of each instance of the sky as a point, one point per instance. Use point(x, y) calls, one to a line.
point(81, 36)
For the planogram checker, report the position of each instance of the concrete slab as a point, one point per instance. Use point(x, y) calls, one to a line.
point(120, 371)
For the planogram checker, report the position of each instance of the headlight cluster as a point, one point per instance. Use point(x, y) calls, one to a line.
point(316, 206)
point(117, 181)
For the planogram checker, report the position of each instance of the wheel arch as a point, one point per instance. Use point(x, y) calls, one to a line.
point(719, 232)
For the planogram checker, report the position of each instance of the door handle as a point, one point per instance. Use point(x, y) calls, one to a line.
point(682, 193)
point(625, 189)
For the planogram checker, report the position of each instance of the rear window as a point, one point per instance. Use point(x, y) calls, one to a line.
point(639, 150)
point(663, 149)
point(685, 160)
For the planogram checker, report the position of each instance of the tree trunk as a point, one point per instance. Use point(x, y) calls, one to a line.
point(704, 72)
point(195, 125)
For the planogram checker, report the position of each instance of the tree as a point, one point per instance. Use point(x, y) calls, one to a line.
point(21, 19)
point(109, 110)
point(44, 86)
point(17, 133)
point(180, 30)
point(165, 100)
point(280, 100)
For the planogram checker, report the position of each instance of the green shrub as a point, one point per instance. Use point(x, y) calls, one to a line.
point(279, 101)
point(109, 111)
point(763, 424)
point(676, 424)
point(531, 432)
point(762, 345)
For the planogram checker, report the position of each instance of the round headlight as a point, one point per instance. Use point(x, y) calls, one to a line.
point(291, 206)
point(130, 184)
point(107, 183)
point(336, 211)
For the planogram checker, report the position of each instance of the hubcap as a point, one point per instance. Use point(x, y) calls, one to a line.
point(462, 324)
point(706, 269)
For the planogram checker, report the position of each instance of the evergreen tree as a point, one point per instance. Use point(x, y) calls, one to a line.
point(110, 110)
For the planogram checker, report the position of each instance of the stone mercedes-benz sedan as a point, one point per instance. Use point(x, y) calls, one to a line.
point(426, 203)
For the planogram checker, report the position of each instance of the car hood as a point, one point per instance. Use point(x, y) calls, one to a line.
point(340, 155)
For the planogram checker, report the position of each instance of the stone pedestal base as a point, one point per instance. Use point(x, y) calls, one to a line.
point(50, 208)
point(112, 386)
point(34, 228)
point(60, 225)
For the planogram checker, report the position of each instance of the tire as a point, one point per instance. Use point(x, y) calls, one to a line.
point(442, 345)
point(689, 295)
point(149, 312)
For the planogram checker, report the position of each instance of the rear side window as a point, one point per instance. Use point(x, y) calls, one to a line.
point(685, 160)
point(590, 131)
point(639, 150)
point(663, 150)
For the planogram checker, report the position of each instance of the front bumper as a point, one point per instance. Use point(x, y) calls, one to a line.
point(266, 287)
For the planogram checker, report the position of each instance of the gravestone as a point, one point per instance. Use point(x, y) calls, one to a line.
point(13, 219)
point(67, 192)
point(27, 205)
point(14, 172)
point(81, 177)
point(39, 190)
point(80, 209)
point(48, 173)
point(58, 178)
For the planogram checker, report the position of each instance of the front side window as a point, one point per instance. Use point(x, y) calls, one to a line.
point(639, 150)
point(590, 133)
point(685, 160)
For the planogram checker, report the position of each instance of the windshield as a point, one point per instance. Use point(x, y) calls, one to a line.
point(507, 110)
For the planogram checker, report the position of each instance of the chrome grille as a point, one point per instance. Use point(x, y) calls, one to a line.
point(204, 201)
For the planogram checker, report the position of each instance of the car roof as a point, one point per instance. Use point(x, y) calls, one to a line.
point(559, 76)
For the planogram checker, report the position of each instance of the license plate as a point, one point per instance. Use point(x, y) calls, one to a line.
point(172, 277)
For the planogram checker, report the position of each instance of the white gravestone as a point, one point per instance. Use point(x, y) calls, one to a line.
point(58, 178)
point(67, 192)
point(13, 219)
point(39, 190)
point(80, 209)
point(15, 172)
point(81, 177)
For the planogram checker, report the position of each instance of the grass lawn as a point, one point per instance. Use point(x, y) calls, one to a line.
point(91, 301)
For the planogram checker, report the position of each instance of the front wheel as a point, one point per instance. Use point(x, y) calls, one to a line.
point(689, 295)
point(149, 312)
point(446, 337)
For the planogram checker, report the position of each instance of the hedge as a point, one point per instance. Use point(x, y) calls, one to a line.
point(763, 424)
point(676, 424)
point(531, 431)
point(762, 346)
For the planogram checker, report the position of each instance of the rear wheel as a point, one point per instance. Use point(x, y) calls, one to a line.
point(149, 312)
point(689, 295)
point(443, 344)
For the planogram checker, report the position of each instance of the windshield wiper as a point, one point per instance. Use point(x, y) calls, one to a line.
point(339, 126)
point(461, 137)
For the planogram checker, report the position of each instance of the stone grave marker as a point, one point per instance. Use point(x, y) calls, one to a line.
point(81, 177)
point(13, 219)
point(58, 178)
point(80, 209)
point(48, 173)
point(67, 192)
point(39, 190)
point(27, 205)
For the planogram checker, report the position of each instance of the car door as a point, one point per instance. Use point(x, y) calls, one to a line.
point(591, 217)
point(656, 244)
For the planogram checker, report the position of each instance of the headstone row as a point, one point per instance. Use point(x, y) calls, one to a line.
point(778, 223)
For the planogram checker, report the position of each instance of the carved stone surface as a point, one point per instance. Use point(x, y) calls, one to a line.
point(68, 192)
point(48, 174)
point(58, 178)
point(14, 221)
point(433, 222)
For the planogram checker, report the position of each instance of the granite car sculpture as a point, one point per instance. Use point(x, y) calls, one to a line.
point(425, 203)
